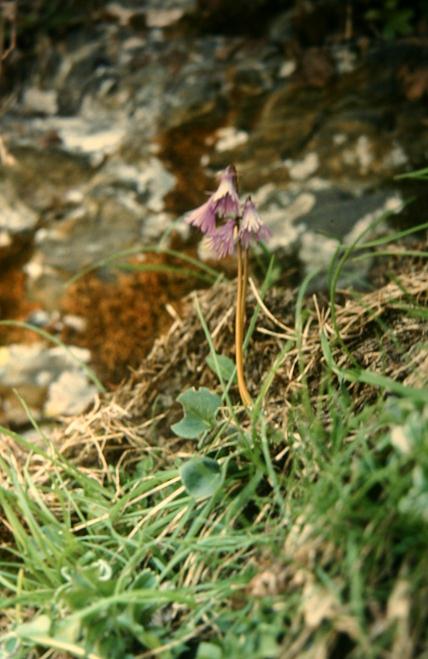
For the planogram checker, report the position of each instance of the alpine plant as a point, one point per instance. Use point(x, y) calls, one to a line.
point(232, 227)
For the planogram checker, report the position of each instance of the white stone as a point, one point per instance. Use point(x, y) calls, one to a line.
point(23, 364)
point(74, 196)
point(122, 14)
point(34, 268)
point(285, 232)
point(70, 394)
point(361, 155)
point(104, 141)
point(43, 378)
point(154, 148)
point(345, 59)
point(394, 204)
point(41, 235)
point(396, 157)
point(280, 209)
point(316, 184)
point(5, 239)
point(149, 176)
point(229, 138)
point(339, 139)
point(154, 225)
point(15, 216)
point(300, 206)
point(263, 194)
point(133, 43)
point(287, 69)
point(42, 101)
point(160, 18)
point(86, 135)
point(302, 169)
point(77, 323)
point(40, 318)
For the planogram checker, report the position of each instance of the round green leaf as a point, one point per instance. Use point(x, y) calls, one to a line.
point(200, 407)
point(201, 477)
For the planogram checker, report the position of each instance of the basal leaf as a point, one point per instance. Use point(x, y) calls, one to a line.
point(201, 477)
point(200, 407)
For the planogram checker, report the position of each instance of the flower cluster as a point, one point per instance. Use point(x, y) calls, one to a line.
point(225, 221)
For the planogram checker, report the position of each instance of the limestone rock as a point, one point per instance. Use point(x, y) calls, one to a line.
point(70, 394)
point(49, 379)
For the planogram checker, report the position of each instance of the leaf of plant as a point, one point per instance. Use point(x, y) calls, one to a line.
point(199, 407)
point(201, 477)
point(225, 366)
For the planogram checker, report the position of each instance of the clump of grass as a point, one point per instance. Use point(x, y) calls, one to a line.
point(311, 539)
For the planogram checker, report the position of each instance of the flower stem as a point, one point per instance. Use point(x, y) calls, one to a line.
point(239, 323)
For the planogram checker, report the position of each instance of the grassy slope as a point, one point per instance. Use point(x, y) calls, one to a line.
point(314, 546)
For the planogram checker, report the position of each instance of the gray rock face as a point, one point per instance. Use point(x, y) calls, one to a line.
point(49, 379)
point(99, 112)
point(15, 216)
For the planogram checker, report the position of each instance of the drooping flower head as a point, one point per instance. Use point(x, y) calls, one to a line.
point(224, 221)
point(222, 204)
point(251, 228)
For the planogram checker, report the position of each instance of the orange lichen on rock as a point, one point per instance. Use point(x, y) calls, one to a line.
point(123, 315)
point(14, 305)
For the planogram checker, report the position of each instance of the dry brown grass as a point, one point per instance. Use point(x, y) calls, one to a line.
point(138, 415)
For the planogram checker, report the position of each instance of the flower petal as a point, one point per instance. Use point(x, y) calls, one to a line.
point(203, 217)
point(224, 239)
point(226, 195)
point(251, 227)
point(251, 220)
